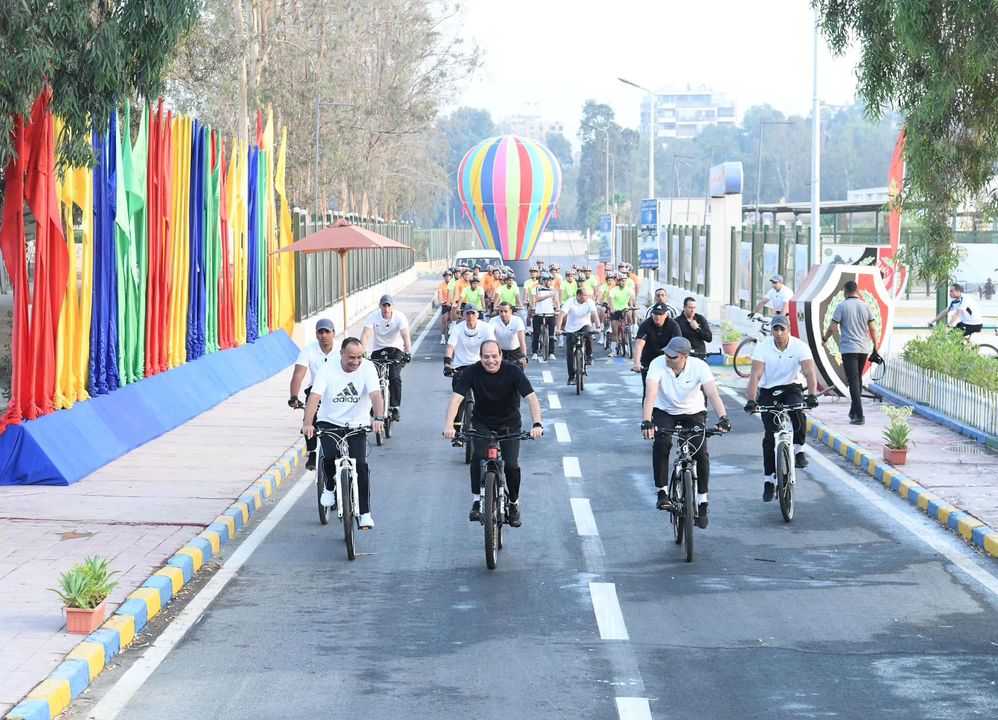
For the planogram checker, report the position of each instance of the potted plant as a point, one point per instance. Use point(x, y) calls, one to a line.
point(897, 435)
point(84, 589)
point(730, 335)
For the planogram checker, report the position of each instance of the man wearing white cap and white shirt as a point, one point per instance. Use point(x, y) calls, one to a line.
point(464, 349)
point(776, 297)
point(390, 330)
point(510, 334)
point(673, 398)
point(310, 360)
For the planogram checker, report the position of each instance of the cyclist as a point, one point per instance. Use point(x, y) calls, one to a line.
point(590, 282)
point(777, 365)
point(474, 295)
point(856, 327)
point(391, 341)
point(462, 347)
point(621, 302)
point(445, 298)
point(964, 310)
point(694, 326)
point(498, 387)
point(508, 292)
point(555, 271)
point(653, 335)
point(673, 398)
point(569, 287)
point(528, 292)
point(661, 297)
point(776, 297)
point(311, 358)
point(349, 391)
point(544, 303)
point(578, 314)
point(509, 332)
point(462, 281)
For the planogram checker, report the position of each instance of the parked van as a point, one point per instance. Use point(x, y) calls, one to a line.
point(470, 258)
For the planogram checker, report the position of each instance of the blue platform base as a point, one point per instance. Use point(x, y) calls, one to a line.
point(66, 446)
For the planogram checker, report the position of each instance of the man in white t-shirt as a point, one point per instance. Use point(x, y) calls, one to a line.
point(673, 398)
point(311, 357)
point(348, 389)
point(962, 310)
point(510, 334)
point(464, 349)
point(777, 366)
point(544, 304)
point(390, 332)
point(776, 297)
point(578, 315)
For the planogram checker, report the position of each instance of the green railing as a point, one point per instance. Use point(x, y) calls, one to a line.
point(686, 261)
point(434, 245)
point(757, 253)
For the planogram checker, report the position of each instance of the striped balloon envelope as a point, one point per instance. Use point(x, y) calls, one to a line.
point(509, 188)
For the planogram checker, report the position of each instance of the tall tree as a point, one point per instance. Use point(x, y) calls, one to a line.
point(934, 62)
point(562, 149)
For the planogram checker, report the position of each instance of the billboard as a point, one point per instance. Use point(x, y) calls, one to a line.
point(606, 238)
point(648, 234)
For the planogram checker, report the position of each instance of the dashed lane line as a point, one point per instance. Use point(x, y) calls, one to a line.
point(554, 402)
point(633, 708)
point(570, 465)
point(547, 376)
point(609, 618)
point(561, 432)
point(585, 523)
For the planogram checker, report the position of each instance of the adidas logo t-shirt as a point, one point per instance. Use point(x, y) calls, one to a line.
point(346, 397)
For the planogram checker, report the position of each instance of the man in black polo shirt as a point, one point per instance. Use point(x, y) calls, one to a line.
point(653, 335)
point(694, 326)
point(498, 387)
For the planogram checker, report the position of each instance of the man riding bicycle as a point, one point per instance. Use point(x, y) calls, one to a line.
point(673, 398)
point(445, 297)
point(509, 332)
point(545, 303)
point(463, 346)
point(578, 315)
point(390, 330)
point(653, 335)
point(621, 302)
point(777, 365)
point(964, 312)
point(497, 387)
point(311, 359)
point(776, 297)
point(349, 390)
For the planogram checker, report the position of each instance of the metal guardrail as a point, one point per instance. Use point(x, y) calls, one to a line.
point(955, 398)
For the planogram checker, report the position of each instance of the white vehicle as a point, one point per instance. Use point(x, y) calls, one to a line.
point(470, 258)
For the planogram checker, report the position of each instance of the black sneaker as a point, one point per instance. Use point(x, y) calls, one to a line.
point(310, 462)
point(396, 415)
point(513, 515)
point(476, 511)
point(857, 421)
point(768, 491)
point(702, 515)
point(456, 443)
point(571, 381)
point(800, 460)
point(663, 500)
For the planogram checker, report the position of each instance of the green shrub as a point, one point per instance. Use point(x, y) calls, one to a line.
point(945, 352)
point(86, 584)
point(729, 333)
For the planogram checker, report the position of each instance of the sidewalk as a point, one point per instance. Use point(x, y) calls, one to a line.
point(138, 511)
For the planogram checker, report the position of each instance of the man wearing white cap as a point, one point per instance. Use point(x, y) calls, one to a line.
point(390, 331)
point(464, 349)
point(673, 398)
point(776, 297)
point(310, 360)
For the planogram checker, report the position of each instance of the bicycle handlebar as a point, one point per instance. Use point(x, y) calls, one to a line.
point(351, 430)
point(523, 435)
point(779, 407)
point(680, 431)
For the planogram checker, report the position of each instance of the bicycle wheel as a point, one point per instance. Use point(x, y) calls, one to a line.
point(491, 515)
point(349, 522)
point(785, 481)
point(675, 517)
point(469, 445)
point(388, 425)
point(580, 366)
point(320, 484)
point(988, 351)
point(742, 360)
point(688, 513)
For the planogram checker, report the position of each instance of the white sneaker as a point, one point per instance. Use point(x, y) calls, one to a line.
point(535, 356)
point(366, 522)
point(551, 356)
point(328, 498)
point(561, 341)
point(613, 346)
point(443, 339)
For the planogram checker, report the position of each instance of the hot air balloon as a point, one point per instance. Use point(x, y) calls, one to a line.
point(509, 188)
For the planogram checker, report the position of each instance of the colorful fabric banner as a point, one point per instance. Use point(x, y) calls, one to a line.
point(103, 369)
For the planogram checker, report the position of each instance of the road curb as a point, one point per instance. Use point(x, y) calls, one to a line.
point(959, 521)
point(74, 675)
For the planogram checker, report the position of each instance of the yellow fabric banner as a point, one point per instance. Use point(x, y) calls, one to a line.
point(286, 266)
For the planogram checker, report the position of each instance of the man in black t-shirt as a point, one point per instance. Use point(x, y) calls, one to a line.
point(498, 387)
point(653, 335)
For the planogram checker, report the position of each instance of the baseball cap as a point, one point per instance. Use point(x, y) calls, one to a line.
point(659, 309)
point(324, 324)
point(678, 346)
point(468, 307)
point(385, 300)
point(776, 278)
point(780, 321)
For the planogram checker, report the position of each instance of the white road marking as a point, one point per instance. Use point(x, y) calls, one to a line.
point(585, 523)
point(547, 376)
point(571, 467)
point(129, 683)
point(608, 616)
point(633, 708)
point(431, 323)
point(553, 401)
point(561, 431)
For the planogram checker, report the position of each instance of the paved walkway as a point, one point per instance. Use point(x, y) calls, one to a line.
point(136, 511)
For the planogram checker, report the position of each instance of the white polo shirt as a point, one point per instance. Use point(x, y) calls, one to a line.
point(387, 331)
point(507, 335)
point(782, 367)
point(312, 357)
point(467, 342)
point(346, 397)
point(778, 299)
point(544, 300)
point(965, 310)
point(578, 314)
point(680, 394)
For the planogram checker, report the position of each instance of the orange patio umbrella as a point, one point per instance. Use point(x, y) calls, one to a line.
point(341, 237)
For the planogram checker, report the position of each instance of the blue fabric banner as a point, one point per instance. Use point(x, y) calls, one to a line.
point(253, 245)
point(196, 306)
point(104, 320)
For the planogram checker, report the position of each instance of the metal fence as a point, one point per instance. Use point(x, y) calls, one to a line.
point(955, 398)
point(759, 252)
point(443, 244)
point(686, 261)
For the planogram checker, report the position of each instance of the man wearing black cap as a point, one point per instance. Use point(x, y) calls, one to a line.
point(653, 335)
point(673, 398)
point(310, 359)
point(777, 365)
point(391, 341)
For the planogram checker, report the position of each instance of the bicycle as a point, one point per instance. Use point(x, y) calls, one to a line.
point(581, 360)
point(742, 360)
point(786, 476)
point(493, 497)
point(347, 506)
point(544, 343)
point(467, 408)
point(384, 368)
point(682, 483)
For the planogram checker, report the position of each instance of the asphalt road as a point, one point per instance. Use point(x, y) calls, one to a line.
point(844, 613)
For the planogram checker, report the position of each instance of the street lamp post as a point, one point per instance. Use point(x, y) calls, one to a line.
point(815, 244)
point(315, 187)
point(651, 134)
point(758, 165)
point(675, 184)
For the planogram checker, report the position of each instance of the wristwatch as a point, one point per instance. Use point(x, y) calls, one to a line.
point(379, 418)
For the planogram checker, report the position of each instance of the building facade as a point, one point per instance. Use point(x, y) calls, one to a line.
point(684, 113)
point(530, 126)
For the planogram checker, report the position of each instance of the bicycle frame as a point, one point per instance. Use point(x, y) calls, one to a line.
point(784, 434)
point(493, 462)
point(345, 461)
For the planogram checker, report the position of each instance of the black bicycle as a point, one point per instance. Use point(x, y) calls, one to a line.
point(682, 482)
point(581, 358)
point(544, 343)
point(494, 498)
point(464, 412)
point(346, 501)
point(384, 376)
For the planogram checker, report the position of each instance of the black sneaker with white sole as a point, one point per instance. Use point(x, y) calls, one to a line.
point(768, 491)
point(702, 515)
point(663, 500)
point(513, 515)
point(800, 460)
point(476, 511)
point(310, 462)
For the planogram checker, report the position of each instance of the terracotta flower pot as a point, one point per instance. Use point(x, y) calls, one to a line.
point(82, 621)
point(729, 347)
point(895, 457)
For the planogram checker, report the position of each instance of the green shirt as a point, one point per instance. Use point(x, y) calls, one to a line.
point(590, 285)
point(528, 287)
point(474, 297)
point(620, 298)
point(568, 290)
point(509, 294)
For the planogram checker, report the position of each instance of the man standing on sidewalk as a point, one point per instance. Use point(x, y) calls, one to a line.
point(856, 326)
point(310, 359)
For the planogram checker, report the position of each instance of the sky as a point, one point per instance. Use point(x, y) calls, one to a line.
point(547, 57)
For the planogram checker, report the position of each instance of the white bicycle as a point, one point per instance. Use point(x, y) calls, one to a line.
point(346, 503)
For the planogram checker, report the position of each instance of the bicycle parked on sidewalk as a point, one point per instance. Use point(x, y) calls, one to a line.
point(384, 370)
point(346, 502)
point(494, 498)
point(742, 360)
point(784, 449)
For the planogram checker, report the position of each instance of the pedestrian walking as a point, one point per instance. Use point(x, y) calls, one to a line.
point(857, 329)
